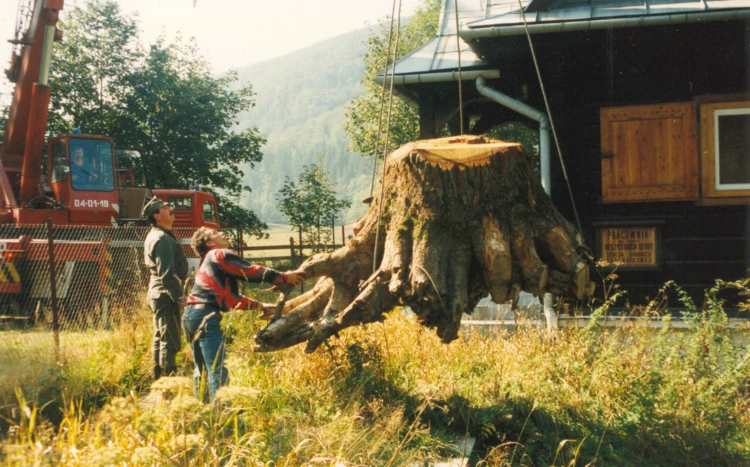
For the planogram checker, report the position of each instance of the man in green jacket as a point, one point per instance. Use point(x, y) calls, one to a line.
point(168, 266)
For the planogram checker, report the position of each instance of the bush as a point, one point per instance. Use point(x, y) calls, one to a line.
point(392, 394)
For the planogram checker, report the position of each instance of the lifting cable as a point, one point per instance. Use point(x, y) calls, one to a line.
point(583, 251)
point(387, 136)
point(460, 84)
point(382, 99)
point(549, 116)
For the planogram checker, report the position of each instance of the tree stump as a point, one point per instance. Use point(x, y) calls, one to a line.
point(462, 217)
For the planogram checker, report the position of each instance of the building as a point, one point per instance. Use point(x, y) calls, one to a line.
point(650, 104)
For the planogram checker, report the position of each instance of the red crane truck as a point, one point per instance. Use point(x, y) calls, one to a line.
point(80, 186)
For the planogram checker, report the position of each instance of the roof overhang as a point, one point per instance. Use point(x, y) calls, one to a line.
point(436, 77)
point(549, 16)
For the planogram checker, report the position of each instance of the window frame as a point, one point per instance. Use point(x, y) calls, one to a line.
point(710, 182)
point(214, 211)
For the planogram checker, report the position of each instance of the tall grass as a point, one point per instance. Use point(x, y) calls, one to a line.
point(392, 394)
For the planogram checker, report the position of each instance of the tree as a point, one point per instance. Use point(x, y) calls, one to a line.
point(310, 203)
point(451, 230)
point(162, 101)
point(89, 68)
point(182, 119)
point(362, 113)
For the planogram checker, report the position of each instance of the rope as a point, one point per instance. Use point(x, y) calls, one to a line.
point(549, 116)
point(382, 101)
point(385, 148)
point(460, 84)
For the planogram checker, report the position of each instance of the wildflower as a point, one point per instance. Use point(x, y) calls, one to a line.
point(172, 386)
point(105, 456)
point(120, 411)
point(237, 397)
point(146, 456)
point(189, 441)
point(186, 409)
point(149, 422)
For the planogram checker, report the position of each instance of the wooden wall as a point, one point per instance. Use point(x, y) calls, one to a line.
point(647, 66)
point(585, 72)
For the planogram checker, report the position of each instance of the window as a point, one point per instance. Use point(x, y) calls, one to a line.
point(91, 165)
point(181, 203)
point(725, 145)
point(209, 212)
point(59, 165)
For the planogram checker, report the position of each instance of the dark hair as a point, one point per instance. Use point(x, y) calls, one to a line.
point(152, 220)
point(199, 239)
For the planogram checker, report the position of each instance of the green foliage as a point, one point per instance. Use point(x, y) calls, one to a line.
point(310, 203)
point(90, 67)
point(363, 112)
point(3, 119)
point(392, 393)
point(300, 101)
point(162, 101)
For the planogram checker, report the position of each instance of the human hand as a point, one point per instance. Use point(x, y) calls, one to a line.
point(267, 306)
point(295, 277)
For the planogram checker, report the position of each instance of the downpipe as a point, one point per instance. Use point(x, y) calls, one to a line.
point(544, 160)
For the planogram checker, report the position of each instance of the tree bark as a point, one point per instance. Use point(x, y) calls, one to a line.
point(462, 217)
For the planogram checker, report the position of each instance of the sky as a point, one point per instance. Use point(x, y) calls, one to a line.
point(233, 33)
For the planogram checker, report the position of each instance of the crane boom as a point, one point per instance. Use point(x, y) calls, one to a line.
point(23, 140)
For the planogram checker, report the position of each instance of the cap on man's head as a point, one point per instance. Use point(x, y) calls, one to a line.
point(152, 207)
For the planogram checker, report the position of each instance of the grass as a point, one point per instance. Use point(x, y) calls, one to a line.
point(392, 394)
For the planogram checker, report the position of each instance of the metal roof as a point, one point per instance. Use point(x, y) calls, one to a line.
point(440, 54)
point(488, 18)
point(560, 15)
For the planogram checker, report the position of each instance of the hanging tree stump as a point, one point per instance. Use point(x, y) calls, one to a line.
point(461, 217)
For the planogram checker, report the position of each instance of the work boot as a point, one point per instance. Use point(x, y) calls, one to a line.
point(157, 372)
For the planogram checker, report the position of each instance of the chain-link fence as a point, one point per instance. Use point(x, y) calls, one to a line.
point(74, 277)
point(81, 278)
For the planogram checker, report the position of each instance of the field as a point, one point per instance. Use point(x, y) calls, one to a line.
point(280, 234)
point(388, 394)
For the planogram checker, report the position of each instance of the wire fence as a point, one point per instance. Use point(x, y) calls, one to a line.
point(77, 278)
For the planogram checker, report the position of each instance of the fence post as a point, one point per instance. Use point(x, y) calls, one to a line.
point(240, 241)
point(53, 288)
point(343, 235)
point(301, 258)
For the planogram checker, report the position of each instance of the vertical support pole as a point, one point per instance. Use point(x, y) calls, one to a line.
point(53, 288)
point(333, 232)
point(240, 240)
point(549, 312)
point(343, 235)
point(301, 258)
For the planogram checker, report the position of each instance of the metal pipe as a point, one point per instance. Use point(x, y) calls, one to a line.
point(49, 39)
point(544, 161)
point(586, 25)
point(532, 113)
point(442, 76)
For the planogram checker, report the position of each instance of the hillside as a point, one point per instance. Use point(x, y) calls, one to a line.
point(300, 109)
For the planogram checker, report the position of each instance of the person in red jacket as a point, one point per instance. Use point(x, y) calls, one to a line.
point(215, 291)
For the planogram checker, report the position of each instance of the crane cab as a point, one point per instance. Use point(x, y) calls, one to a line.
point(191, 208)
point(81, 174)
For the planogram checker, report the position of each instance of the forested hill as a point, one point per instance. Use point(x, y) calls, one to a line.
point(300, 109)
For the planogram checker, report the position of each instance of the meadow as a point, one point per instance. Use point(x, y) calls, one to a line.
point(390, 394)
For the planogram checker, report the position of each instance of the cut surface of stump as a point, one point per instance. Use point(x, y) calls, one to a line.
point(462, 217)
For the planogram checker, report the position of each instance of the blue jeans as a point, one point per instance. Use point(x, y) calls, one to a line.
point(203, 332)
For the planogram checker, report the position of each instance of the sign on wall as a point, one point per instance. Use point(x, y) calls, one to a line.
point(631, 247)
